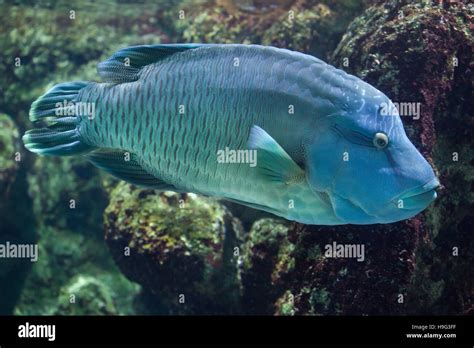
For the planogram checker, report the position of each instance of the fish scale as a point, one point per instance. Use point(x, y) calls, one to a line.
point(218, 116)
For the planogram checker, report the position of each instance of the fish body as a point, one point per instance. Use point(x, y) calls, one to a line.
point(166, 115)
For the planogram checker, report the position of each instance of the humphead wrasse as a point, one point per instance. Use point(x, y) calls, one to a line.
point(272, 129)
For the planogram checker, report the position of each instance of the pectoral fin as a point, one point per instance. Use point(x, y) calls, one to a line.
point(272, 160)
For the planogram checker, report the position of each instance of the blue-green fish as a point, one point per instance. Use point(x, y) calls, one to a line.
point(272, 129)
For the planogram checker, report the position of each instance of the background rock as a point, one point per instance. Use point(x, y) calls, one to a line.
point(85, 295)
point(422, 52)
point(179, 247)
point(41, 46)
point(265, 260)
point(310, 26)
point(16, 225)
point(406, 50)
point(9, 146)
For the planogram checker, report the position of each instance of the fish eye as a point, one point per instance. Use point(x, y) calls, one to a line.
point(380, 140)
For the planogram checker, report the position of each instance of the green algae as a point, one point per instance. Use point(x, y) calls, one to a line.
point(176, 245)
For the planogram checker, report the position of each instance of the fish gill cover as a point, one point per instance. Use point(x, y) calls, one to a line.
point(309, 224)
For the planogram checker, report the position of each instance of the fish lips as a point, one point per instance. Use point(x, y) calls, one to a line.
point(419, 197)
point(407, 205)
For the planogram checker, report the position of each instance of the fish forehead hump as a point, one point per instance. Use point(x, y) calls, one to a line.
point(367, 109)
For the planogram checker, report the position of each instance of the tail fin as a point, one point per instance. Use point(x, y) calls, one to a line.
point(60, 137)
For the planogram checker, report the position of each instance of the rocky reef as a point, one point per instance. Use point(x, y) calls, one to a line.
point(416, 52)
point(265, 261)
point(183, 249)
point(15, 219)
point(68, 223)
point(85, 295)
point(421, 52)
point(55, 202)
point(191, 256)
point(9, 154)
point(309, 26)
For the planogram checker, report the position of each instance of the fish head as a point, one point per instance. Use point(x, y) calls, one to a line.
point(364, 164)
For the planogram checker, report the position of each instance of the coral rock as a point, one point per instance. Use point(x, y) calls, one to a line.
point(179, 247)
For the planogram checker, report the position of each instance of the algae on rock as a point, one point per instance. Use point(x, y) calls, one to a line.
point(179, 247)
point(421, 52)
point(414, 52)
point(85, 295)
point(16, 225)
point(266, 258)
point(313, 27)
point(64, 211)
point(9, 149)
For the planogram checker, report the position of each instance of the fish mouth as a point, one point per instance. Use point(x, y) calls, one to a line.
point(419, 197)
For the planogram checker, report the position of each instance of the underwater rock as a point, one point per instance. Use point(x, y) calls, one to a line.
point(415, 53)
point(16, 225)
point(313, 27)
point(372, 282)
point(422, 53)
point(304, 30)
point(9, 145)
point(43, 45)
point(265, 260)
point(63, 257)
point(246, 215)
point(68, 200)
point(67, 193)
point(85, 295)
point(179, 247)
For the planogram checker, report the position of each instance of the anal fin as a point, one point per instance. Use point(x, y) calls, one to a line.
point(125, 166)
point(254, 206)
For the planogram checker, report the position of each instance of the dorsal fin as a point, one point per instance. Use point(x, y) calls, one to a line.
point(126, 166)
point(125, 64)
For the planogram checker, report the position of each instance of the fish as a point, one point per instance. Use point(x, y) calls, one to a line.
point(269, 128)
